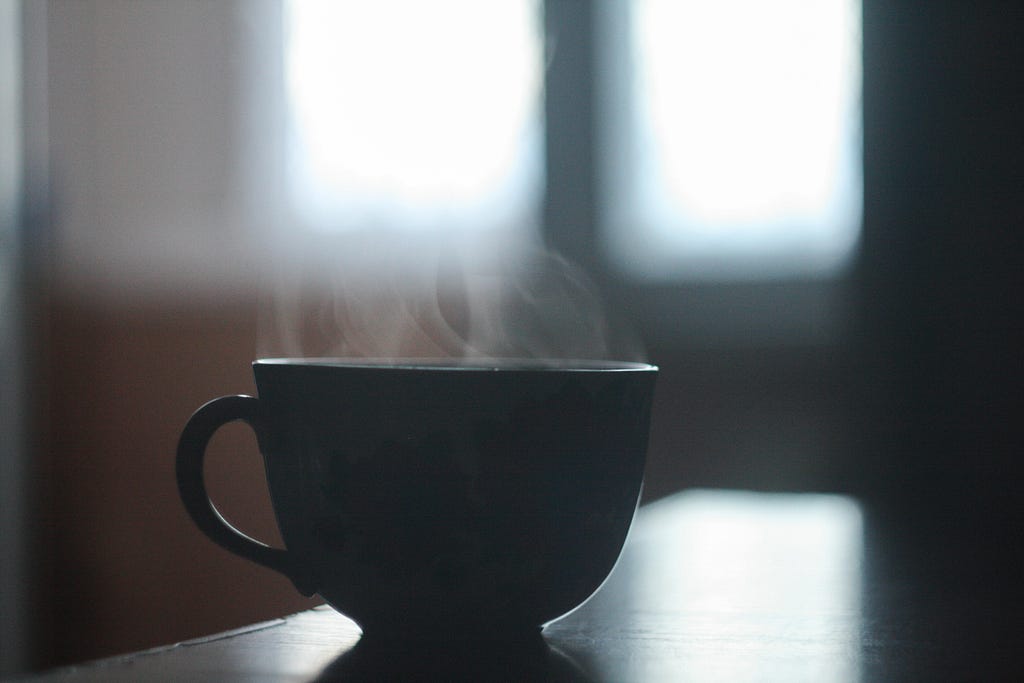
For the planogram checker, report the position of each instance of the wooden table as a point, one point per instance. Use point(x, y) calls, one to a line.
point(712, 586)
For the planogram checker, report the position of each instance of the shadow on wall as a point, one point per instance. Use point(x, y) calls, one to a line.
point(941, 266)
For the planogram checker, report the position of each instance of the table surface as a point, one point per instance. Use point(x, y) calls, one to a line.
point(712, 586)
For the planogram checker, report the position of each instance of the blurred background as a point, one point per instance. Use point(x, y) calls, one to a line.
point(809, 214)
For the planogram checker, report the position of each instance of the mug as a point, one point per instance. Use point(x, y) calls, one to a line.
point(427, 497)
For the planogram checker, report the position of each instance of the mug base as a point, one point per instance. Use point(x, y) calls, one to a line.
point(453, 655)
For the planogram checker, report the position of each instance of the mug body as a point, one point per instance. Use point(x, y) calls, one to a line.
point(439, 496)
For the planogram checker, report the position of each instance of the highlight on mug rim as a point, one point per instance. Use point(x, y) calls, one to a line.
point(467, 364)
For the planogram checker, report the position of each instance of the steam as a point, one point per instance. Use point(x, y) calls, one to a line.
point(439, 302)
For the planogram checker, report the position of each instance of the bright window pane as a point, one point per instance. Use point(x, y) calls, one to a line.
point(737, 153)
point(414, 115)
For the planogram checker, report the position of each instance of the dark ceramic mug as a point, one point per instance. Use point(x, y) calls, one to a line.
point(433, 496)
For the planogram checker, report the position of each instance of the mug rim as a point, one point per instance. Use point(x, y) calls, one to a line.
point(466, 364)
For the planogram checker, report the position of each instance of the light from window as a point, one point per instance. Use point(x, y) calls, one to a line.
point(415, 116)
point(733, 140)
point(791, 562)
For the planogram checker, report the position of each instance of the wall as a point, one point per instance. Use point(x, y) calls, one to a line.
point(126, 569)
point(144, 307)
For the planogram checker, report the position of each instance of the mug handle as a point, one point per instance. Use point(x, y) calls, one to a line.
point(198, 431)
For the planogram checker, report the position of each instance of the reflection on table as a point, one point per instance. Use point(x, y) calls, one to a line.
point(728, 586)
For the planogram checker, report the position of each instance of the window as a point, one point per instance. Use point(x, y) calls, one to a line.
point(731, 137)
point(729, 144)
point(416, 116)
